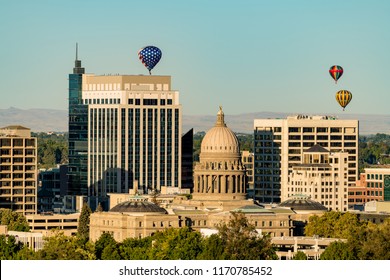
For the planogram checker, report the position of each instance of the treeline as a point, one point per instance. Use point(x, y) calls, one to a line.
point(235, 240)
point(364, 240)
point(13, 220)
point(374, 149)
point(52, 149)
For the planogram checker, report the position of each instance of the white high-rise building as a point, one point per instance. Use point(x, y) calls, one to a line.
point(279, 145)
point(134, 133)
point(322, 176)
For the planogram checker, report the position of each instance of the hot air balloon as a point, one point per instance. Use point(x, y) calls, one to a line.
point(149, 57)
point(343, 97)
point(336, 71)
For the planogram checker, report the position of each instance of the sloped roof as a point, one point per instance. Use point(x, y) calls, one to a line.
point(316, 149)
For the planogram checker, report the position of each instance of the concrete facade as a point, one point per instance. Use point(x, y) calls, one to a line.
point(322, 176)
point(45, 223)
point(18, 170)
point(280, 143)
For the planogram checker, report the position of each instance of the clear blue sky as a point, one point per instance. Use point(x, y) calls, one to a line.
point(248, 56)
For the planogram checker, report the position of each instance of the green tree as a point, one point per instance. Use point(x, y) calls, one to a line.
point(105, 240)
point(13, 220)
point(111, 252)
point(300, 256)
point(376, 244)
point(62, 247)
point(83, 226)
point(212, 248)
point(197, 141)
point(9, 247)
point(246, 142)
point(242, 242)
point(338, 250)
point(136, 248)
point(52, 149)
point(176, 244)
point(334, 224)
point(26, 253)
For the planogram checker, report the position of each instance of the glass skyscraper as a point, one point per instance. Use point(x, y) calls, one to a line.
point(78, 133)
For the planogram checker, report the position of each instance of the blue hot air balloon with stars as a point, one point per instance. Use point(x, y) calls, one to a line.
point(149, 57)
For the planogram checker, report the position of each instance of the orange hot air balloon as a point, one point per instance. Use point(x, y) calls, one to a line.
point(343, 97)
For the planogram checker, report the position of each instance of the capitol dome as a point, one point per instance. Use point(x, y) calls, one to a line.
point(220, 139)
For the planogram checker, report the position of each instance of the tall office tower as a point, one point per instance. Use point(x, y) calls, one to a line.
point(134, 133)
point(280, 143)
point(78, 133)
point(18, 170)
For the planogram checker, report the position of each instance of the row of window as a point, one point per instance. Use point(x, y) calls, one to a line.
point(321, 129)
point(374, 177)
point(136, 101)
point(9, 142)
point(349, 130)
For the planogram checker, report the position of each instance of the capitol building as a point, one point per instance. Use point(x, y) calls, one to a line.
point(220, 183)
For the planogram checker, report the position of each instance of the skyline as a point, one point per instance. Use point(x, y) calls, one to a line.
point(274, 56)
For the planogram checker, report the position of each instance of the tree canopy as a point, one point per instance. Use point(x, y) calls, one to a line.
point(334, 224)
point(363, 240)
point(52, 149)
point(62, 247)
point(241, 241)
point(13, 220)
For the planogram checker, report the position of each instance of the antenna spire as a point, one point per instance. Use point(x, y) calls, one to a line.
point(77, 63)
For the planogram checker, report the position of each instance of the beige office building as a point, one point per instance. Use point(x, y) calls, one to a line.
point(322, 176)
point(134, 133)
point(18, 170)
point(279, 145)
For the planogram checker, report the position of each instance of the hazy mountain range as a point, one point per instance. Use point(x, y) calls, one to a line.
point(45, 120)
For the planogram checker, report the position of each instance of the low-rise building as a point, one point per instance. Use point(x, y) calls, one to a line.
point(44, 223)
point(374, 185)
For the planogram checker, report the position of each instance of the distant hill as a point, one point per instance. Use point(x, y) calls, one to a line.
point(39, 120)
point(368, 124)
point(45, 120)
